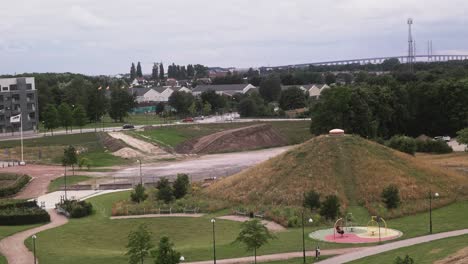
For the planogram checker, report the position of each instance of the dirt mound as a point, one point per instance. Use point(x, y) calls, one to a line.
point(127, 153)
point(355, 169)
point(112, 144)
point(460, 257)
point(239, 139)
point(141, 146)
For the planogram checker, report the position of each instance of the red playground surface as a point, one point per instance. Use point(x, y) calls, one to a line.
point(353, 238)
point(356, 235)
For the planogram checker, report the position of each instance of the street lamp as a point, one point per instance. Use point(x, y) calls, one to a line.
point(141, 177)
point(34, 247)
point(213, 221)
point(303, 237)
point(430, 209)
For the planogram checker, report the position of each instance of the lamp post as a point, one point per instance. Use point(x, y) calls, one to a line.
point(430, 209)
point(303, 237)
point(34, 247)
point(141, 176)
point(213, 221)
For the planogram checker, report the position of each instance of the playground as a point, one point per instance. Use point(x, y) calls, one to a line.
point(345, 231)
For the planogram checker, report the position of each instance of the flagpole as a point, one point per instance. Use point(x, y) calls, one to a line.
point(21, 132)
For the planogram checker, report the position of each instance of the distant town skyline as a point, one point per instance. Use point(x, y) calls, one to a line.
point(105, 37)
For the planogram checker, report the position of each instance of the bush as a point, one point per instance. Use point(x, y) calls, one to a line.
point(433, 146)
point(312, 200)
point(6, 204)
point(20, 182)
point(391, 196)
point(165, 191)
point(181, 185)
point(403, 144)
point(23, 216)
point(406, 260)
point(330, 207)
point(138, 195)
point(77, 209)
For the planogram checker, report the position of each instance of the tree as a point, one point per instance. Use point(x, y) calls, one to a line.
point(79, 116)
point(463, 136)
point(193, 109)
point(406, 260)
point(292, 98)
point(200, 71)
point(216, 101)
point(206, 108)
point(254, 235)
point(312, 200)
point(139, 244)
point(181, 186)
point(181, 101)
point(165, 254)
point(391, 196)
point(69, 158)
point(161, 71)
point(247, 107)
point(132, 72)
point(160, 108)
point(97, 104)
point(121, 102)
point(403, 144)
point(390, 64)
point(155, 71)
point(330, 207)
point(270, 88)
point(330, 78)
point(138, 195)
point(165, 191)
point(190, 71)
point(139, 72)
point(65, 116)
point(50, 117)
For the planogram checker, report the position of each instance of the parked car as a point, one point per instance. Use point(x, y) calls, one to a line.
point(444, 138)
point(128, 126)
point(187, 120)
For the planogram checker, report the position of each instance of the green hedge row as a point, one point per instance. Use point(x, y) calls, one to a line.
point(77, 209)
point(10, 203)
point(23, 216)
point(21, 181)
point(433, 146)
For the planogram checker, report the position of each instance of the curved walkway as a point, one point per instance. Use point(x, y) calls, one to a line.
point(391, 246)
point(13, 247)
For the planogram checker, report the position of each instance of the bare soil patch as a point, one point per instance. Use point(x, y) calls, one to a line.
point(460, 257)
point(239, 139)
point(272, 226)
point(140, 148)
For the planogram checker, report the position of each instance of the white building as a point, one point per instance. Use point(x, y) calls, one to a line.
point(156, 94)
point(224, 89)
point(313, 90)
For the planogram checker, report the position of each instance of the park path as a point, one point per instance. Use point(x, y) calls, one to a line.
point(13, 247)
point(282, 256)
point(391, 246)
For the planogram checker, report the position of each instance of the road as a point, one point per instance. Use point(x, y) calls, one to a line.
point(215, 165)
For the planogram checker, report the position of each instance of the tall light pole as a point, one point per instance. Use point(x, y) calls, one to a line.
point(213, 221)
point(34, 247)
point(303, 237)
point(430, 209)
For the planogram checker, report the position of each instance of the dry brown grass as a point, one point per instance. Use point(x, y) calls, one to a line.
point(355, 169)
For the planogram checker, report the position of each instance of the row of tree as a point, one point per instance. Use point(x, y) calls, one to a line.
point(179, 72)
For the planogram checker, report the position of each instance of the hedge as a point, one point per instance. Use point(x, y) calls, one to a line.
point(433, 146)
point(5, 204)
point(77, 209)
point(20, 182)
point(23, 216)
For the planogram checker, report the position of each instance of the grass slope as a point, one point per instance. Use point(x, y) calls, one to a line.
point(353, 168)
point(58, 182)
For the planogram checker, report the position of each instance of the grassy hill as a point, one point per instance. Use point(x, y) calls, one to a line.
point(355, 169)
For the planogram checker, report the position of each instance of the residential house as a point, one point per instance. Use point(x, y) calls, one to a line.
point(224, 89)
point(315, 90)
point(156, 94)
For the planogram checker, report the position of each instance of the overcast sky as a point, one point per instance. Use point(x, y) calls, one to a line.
point(105, 36)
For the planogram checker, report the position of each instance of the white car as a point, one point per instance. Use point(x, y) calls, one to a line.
point(444, 138)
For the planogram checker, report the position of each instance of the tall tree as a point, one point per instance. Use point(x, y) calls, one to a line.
point(292, 98)
point(216, 101)
point(181, 101)
point(270, 88)
point(133, 72)
point(65, 116)
point(200, 71)
point(121, 102)
point(463, 136)
point(161, 71)
point(155, 72)
point(79, 116)
point(139, 72)
point(139, 245)
point(69, 158)
point(254, 235)
point(165, 254)
point(51, 118)
point(190, 71)
point(97, 104)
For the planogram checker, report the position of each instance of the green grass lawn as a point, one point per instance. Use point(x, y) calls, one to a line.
point(57, 183)
point(97, 239)
point(298, 260)
point(49, 149)
point(295, 131)
point(10, 230)
point(425, 253)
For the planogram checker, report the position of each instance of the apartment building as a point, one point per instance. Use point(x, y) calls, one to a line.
point(18, 96)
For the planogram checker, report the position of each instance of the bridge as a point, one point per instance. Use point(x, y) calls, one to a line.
point(378, 60)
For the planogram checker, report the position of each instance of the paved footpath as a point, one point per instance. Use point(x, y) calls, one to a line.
point(13, 247)
point(391, 246)
point(281, 256)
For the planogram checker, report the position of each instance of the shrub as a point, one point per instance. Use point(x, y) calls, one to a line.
point(406, 260)
point(23, 216)
point(138, 195)
point(10, 203)
point(403, 144)
point(165, 191)
point(181, 185)
point(391, 196)
point(77, 209)
point(20, 182)
point(433, 146)
point(330, 207)
point(312, 200)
